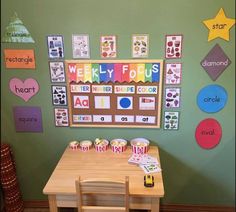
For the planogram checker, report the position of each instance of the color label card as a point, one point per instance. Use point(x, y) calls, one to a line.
point(147, 103)
point(82, 118)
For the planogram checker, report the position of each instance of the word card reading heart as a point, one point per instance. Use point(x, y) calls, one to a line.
point(25, 89)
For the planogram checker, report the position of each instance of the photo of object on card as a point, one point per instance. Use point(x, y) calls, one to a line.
point(108, 46)
point(80, 46)
point(173, 48)
point(173, 73)
point(140, 46)
point(57, 71)
point(171, 120)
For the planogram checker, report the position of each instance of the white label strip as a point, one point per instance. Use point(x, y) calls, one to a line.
point(82, 118)
point(102, 118)
point(80, 88)
point(124, 89)
point(101, 89)
point(146, 119)
point(125, 119)
point(146, 89)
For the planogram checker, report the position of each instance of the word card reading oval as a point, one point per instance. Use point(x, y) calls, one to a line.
point(208, 133)
point(212, 98)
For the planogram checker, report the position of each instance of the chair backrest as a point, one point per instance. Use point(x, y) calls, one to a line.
point(102, 186)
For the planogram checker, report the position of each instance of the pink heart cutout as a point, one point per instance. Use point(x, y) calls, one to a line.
point(25, 89)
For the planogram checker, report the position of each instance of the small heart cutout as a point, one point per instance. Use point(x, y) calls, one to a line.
point(25, 89)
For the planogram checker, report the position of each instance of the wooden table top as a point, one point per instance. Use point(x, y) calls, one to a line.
point(74, 163)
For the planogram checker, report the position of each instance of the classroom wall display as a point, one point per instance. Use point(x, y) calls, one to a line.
point(140, 46)
point(173, 46)
point(61, 117)
point(24, 89)
point(19, 58)
point(114, 93)
point(172, 97)
point(16, 32)
point(27, 119)
point(59, 95)
point(173, 73)
point(57, 71)
point(219, 26)
point(108, 46)
point(55, 46)
point(171, 120)
point(80, 46)
point(215, 62)
point(208, 133)
point(212, 98)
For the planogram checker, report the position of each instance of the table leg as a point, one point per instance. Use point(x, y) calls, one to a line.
point(52, 203)
point(155, 205)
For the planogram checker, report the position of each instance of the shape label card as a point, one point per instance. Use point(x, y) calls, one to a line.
point(219, 26)
point(108, 46)
point(55, 46)
point(28, 119)
point(118, 93)
point(171, 120)
point(140, 46)
point(215, 62)
point(173, 47)
point(208, 133)
point(212, 98)
point(172, 97)
point(61, 117)
point(24, 89)
point(19, 58)
point(173, 73)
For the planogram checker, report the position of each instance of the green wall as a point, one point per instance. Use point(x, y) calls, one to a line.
point(191, 174)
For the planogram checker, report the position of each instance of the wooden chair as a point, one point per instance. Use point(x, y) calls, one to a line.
point(102, 187)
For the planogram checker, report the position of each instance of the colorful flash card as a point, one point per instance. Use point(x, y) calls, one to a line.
point(55, 46)
point(57, 71)
point(16, 32)
point(61, 117)
point(215, 62)
point(147, 103)
point(80, 46)
point(81, 102)
point(150, 168)
point(59, 96)
point(140, 46)
point(173, 47)
point(173, 73)
point(24, 89)
point(102, 102)
point(28, 119)
point(19, 58)
point(171, 120)
point(108, 46)
point(172, 97)
point(219, 26)
point(125, 102)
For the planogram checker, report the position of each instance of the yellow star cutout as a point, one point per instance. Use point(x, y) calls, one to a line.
point(219, 26)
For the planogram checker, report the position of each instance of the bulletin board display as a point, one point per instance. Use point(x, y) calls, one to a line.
point(114, 93)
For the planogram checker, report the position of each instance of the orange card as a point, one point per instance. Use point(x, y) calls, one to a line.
point(19, 58)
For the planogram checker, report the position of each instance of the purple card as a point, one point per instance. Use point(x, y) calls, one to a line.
point(215, 62)
point(28, 119)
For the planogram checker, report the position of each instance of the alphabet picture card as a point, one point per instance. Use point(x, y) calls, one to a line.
point(173, 73)
point(19, 58)
point(140, 46)
point(27, 119)
point(108, 46)
point(24, 89)
point(208, 133)
point(80, 46)
point(219, 26)
point(16, 32)
point(173, 47)
point(59, 96)
point(61, 117)
point(215, 62)
point(57, 71)
point(171, 120)
point(55, 46)
point(172, 97)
